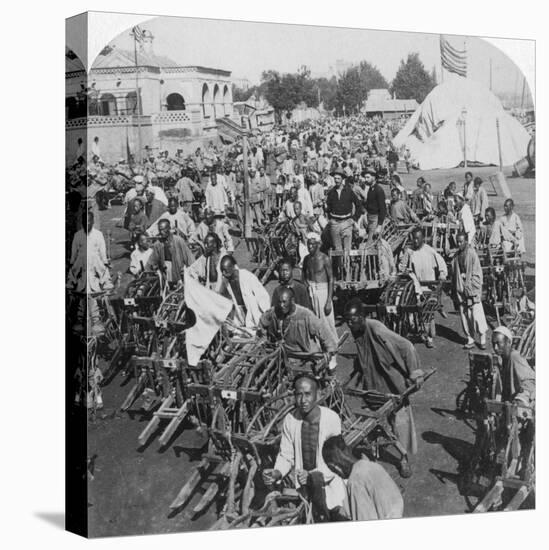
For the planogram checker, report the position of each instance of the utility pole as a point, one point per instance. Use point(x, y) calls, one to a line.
point(247, 209)
point(138, 99)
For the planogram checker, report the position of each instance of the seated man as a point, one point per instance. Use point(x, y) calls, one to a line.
point(371, 493)
point(492, 233)
point(400, 212)
point(518, 386)
point(388, 363)
point(517, 376)
point(180, 221)
point(211, 224)
point(285, 270)
point(137, 222)
point(288, 211)
point(304, 432)
point(140, 256)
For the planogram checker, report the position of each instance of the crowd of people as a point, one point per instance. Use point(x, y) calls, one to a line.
point(334, 182)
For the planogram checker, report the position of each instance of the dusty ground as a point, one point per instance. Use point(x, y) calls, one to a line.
point(133, 487)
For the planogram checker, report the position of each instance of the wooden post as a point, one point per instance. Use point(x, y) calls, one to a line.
point(499, 146)
point(247, 209)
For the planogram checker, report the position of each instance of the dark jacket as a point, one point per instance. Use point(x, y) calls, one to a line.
point(375, 202)
point(342, 206)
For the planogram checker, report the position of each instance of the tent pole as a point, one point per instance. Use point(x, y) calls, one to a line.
point(499, 146)
point(464, 140)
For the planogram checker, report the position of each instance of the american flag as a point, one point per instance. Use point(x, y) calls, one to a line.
point(139, 34)
point(452, 59)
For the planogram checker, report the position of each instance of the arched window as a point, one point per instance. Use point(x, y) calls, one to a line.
point(107, 105)
point(206, 101)
point(93, 106)
point(131, 103)
point(216, 100)
point(71, 108)
point(175, 102)
point(226, 101)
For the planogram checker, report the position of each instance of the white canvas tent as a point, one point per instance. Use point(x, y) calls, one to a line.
point(435, 132)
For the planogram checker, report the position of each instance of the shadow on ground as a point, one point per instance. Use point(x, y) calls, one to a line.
point(57, 519)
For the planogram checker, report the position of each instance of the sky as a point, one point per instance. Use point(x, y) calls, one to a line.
point(247, 49)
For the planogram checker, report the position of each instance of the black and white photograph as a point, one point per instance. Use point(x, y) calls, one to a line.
point(300, 275)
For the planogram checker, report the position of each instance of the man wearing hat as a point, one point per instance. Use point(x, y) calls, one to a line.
point(341, 205)
point(375, 205)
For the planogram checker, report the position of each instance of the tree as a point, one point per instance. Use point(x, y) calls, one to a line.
point(240, 94)
point(307, 90)
point(371, 78)
point(412, 81)
point(327, 90)
point(285, 92)
point(355, 84)
point(350, 92)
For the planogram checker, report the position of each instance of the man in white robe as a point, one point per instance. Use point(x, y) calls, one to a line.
point(304, 431)
point(216, 197)
point(250, 299)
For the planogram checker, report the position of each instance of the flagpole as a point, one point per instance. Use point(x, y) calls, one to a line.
point(465, 56)
point(138, 98)
point(441, 67)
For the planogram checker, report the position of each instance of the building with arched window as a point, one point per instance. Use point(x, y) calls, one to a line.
point(172, 107)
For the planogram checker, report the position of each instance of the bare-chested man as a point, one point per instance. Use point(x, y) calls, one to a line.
point(318, 278)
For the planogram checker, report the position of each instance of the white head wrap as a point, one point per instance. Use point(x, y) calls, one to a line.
point(312, 236)
point(505, 331)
